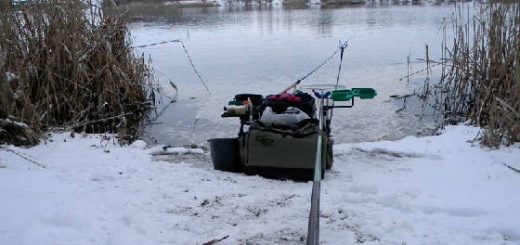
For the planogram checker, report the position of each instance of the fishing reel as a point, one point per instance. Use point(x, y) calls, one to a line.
point(244, 106)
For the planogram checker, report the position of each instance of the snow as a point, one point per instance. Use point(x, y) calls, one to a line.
point(433, 190)
point(138, 144)
point(19, 124)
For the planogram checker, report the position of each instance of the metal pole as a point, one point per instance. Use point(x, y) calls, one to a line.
point(313, 232)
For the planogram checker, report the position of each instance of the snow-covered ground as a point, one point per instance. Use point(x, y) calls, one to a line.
point(432, 190)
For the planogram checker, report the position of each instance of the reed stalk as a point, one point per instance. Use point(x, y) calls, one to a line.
point(480, 80)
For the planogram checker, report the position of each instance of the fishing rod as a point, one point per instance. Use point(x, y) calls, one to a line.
point(325, 94)
point(313, 229)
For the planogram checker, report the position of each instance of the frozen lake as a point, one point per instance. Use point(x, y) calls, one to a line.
point(262, 49)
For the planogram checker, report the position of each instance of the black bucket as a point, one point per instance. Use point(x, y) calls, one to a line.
point(225, 154)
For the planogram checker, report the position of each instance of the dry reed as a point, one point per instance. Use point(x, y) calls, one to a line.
point(70, 64)
point(481, 73)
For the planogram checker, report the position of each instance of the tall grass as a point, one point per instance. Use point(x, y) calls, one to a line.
point(481, 73)
point(70, 64)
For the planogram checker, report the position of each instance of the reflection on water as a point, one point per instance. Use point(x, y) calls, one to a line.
point(262, 49)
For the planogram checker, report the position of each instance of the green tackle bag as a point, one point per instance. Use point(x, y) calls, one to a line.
point(284, 149)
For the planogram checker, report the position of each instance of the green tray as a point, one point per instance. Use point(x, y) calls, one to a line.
point(348, 94)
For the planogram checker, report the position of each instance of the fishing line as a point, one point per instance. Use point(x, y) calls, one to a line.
point(188, 56)
point(342, 47)
point(195, 70)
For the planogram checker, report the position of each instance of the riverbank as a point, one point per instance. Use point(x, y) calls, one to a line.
point(431, 190)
